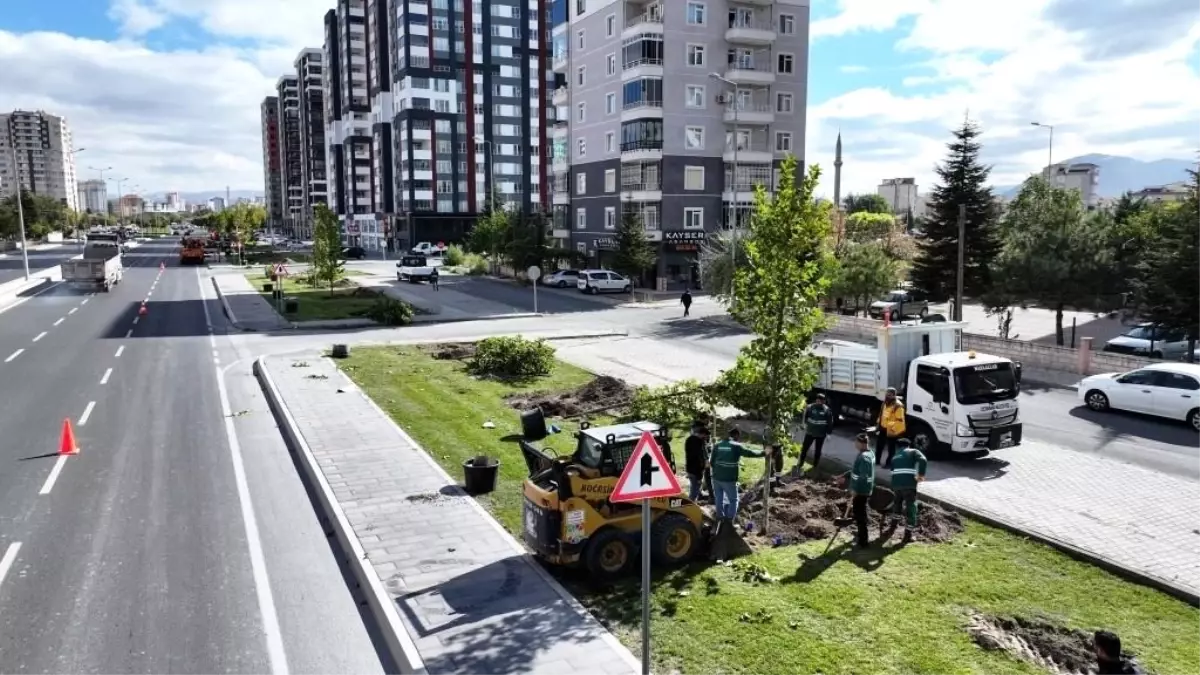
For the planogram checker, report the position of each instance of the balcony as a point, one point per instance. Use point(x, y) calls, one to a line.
point(561, 197)
point(646, 150)
point(751, 71)
point(649, 21)
point(641, 110)
point(559, 64)
point(639, 68)
point(561, 96)
point(753, 32)
point(750, 113)
point(749, 153)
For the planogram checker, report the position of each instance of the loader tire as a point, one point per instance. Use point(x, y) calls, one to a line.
point(607, 555)
point(673, 540)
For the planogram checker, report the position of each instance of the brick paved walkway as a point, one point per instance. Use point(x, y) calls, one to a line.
point(1134, 517)
point(245, 305)
point(470, 597)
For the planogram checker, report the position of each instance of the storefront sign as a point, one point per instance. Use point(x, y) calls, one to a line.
point(684, 241)
point(604, 244)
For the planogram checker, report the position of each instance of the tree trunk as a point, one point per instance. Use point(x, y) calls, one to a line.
point(1058, 324)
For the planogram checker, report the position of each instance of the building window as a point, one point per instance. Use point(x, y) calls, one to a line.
point(579, 39)
point(581, 214)
point(696, 14)
point(783, 103)
point(694, 138)
point(610, 217)
point(610, 141)
point(610, 25)
point(693, 218)
point(610, 180)
point(610, 103)
point(695, 56)
point(579, 75)
point(695, 96)
point(783, 141)
point(612, 64)
point(784, 63)
point(581, 183)
point(693, 178)
point(580, 112)
point(581, 148)
point(787, 24)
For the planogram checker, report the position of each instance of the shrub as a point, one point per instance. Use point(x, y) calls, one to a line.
point(476, 265)
point(512, 358)
point(390, 312)
point(675, 405)
point(454, 255)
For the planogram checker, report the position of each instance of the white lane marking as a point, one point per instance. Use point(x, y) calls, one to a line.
point(135, 320)
point(21, 301)
point(40, 336)
point(14, 355)
point(60, 321)
point(120, 350)
point(216, 361)
point(107, 374)
point(258, 565)
point(215, 354)
point(73, 310)
point(87, 412)
point(10, 556)
point(84, 302)
point(129, 332)
point(49, 484)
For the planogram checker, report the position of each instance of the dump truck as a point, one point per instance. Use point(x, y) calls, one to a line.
point(99, 267)
point(961, 402)
point(193, 252)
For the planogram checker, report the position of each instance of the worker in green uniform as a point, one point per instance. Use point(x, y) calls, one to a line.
point(860, 482)
point(818, 419)
point(725, 463)
point(908, 470)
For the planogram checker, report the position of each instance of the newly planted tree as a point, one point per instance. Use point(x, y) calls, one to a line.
point(635, 254)
point(328, 267)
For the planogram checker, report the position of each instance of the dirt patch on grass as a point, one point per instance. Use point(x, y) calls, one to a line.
point(1059, 650)
point(803, 509)
point(450, 351)
point(601, 394)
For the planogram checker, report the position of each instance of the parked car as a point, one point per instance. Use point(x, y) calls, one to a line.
point(354, 253)
point(602, 281)
point(561, 278)
point(900, 304)
point(1170, 390)
point(1150, 340)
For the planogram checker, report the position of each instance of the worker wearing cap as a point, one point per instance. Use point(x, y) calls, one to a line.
point(818, 418)
point(908, 470)
point(891, 420)
point(725, 463)
point(860, 482)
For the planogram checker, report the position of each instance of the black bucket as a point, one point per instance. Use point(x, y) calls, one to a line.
point(479, 475)
point(533, 424)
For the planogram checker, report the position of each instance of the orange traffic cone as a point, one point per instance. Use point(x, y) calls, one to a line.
point(67, 445)
point(162, 266)
point(142, 310)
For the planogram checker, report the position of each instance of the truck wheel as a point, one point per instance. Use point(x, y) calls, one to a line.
point(924, 439)
point(607, 554)
point(673, 540)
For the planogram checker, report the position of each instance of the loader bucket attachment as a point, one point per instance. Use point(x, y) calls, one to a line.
point(536, 459)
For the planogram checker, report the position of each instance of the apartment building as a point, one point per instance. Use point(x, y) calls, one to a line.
point(36, 149)
point(309, 75)
point(1172, 192)
point(272, 175)
point(1084, 177)
point(673, 110)
point(291, 168)
point(93, 196)
point(900, 193)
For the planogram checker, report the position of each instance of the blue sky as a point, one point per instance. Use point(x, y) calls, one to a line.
point(168, 90)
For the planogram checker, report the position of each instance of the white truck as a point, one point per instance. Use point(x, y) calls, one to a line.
point(100, 266)
point(414, 268)
point(961, 402)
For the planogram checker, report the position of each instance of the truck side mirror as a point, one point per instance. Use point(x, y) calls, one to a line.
point(1017, 372)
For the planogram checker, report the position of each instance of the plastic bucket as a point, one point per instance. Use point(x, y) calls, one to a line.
point(479, 475)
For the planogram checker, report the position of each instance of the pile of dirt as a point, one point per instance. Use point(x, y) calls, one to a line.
point(450, 351)
point(601, 394)
point(1057, 649)
point(803, 509)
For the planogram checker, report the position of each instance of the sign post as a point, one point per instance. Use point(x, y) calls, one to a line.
point(647, 476)
point(280, 275)
point(534, 273)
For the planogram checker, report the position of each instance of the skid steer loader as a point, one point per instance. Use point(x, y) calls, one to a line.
point(568, 518)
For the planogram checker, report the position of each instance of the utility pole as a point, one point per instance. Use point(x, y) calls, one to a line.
point(21, 207)
point(962, 231)
point(735, 105)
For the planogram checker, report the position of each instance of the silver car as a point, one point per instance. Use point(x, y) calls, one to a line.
point(900, 304)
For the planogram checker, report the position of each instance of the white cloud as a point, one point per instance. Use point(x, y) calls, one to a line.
point(1021, 68)
point(134, 19)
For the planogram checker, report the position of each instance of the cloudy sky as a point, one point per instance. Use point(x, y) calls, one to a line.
point(167, 91)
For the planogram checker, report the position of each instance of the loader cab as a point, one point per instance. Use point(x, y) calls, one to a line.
point(608, 449)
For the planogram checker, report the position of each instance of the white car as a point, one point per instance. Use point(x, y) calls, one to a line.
point(561, 278)
point(1170, 390)
point(1147, 340)
point(602, 281)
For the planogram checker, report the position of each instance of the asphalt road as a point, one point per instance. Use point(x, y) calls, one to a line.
point(12, 266)
point(550, 300)
point(160, 547)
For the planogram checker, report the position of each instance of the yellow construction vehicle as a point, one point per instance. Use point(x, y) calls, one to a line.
point(568, 518)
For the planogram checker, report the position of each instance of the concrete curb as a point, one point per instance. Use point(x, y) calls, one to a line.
point(227, 310)
point(399, 643)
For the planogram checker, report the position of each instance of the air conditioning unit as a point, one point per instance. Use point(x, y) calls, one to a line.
point(723, 98)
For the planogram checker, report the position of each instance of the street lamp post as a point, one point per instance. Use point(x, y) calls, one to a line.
point(733, 103)
point(1050, 147)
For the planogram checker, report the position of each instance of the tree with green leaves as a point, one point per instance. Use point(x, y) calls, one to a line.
point(526, 243)
point(962, 181)
point(720, 255)
point(635, 254)
point(778, 292)
point(865, 271)
point(1051, 252)
point(864, 226)
point(868, 203)
point(328, 266)
point(1164, 287)
point(490, 235)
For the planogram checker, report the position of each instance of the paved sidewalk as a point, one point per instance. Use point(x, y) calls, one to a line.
point(469, 596)
point(244, 305)
point(1133, 517)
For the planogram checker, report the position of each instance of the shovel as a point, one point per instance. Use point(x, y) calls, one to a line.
point(841, 524)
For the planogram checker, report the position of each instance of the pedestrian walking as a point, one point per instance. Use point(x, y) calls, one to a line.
point(433, 278)
point(860, 483)
point(686, 301)
point(891, 420)
point(908, 471)
point(1109, 658)
point(817, 420)
point(695, 450)
point(726, 468)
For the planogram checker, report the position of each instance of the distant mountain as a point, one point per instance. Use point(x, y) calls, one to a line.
point(1119, 175)
point(199, 197)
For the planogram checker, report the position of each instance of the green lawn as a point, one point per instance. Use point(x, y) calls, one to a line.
point(349, 302)
point(902, 613)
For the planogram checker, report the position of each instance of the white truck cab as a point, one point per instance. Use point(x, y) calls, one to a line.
point(963, 402)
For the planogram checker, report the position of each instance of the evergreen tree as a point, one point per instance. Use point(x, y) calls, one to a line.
point(634, 254)
point(963, 180)
point(1165, 286)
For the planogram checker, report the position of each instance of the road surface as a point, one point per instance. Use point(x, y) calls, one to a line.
point(12, 266)
point(162, 547)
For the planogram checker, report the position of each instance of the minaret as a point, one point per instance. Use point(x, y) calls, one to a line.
point(837, 173)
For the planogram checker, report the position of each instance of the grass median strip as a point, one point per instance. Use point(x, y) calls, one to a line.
point(923, 608)
point(315, 303)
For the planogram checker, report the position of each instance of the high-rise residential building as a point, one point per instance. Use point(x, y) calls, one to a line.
point(1083, 176)
point(900, 194)
point(309, 67)
point(174, 202)
point(93, 196)
point(36, 149)
point(272, 176)
point(291, 154)
point(673, 111)
point(216, 204)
